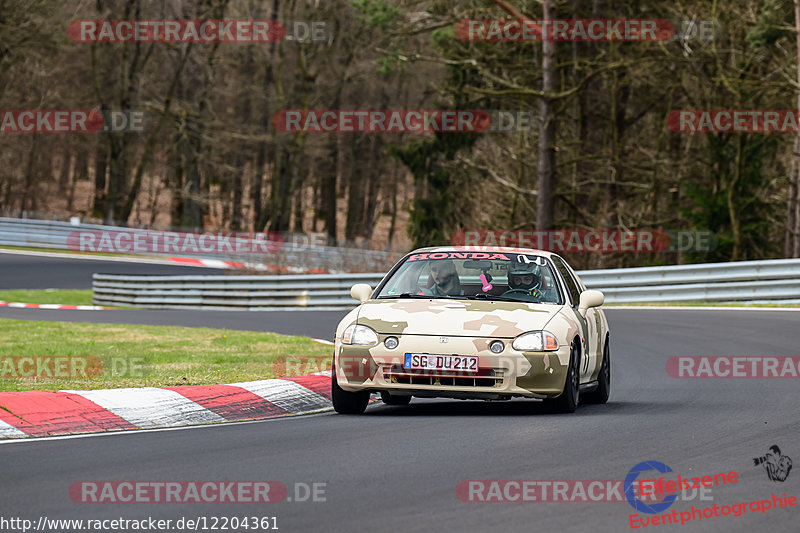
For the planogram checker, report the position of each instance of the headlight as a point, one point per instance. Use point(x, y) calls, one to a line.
point(535, 341)
point(360, 335)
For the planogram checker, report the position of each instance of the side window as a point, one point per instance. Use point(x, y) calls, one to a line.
point(578, 281)
point(572, 288)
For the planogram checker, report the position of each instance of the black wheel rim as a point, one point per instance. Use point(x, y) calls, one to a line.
point(575, 376)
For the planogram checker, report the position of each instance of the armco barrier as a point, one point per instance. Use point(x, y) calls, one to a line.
point(717, 282)
point(301, 257)
point(740, 281)
point(320, 291)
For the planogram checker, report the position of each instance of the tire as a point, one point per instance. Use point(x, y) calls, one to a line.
point(388, 399)
point(345, 402)
point(600, 395)
point(568, 400)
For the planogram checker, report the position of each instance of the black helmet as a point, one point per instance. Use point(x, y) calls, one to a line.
point(518, 273)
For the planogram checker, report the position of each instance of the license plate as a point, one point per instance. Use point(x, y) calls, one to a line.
point(453, 363)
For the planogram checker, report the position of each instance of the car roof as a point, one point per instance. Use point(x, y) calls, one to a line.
point(495, 249)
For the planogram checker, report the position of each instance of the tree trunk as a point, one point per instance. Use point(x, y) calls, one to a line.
point(100, 171)
point(791, 240)
point(117, 176)
point(191, 214)
point(732, 197)
point(792, 243)
point(373, 185)
point(238, 186)
point(547, 129)
point(66, 166)
point(29, 191)
point(355, 190)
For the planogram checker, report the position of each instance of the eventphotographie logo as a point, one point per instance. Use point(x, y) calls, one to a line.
point(775, 464)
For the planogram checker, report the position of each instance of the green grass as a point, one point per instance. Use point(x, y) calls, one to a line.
point(701, 304)
point(116, 355)
point(49, 296)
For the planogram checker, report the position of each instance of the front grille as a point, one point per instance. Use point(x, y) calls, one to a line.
point(484, 377)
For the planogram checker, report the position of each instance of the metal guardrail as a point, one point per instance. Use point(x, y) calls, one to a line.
point(711, 282)
point(299, 256)
point(278, 293)
point(717, 282)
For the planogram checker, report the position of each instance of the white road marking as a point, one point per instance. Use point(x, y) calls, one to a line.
point(215, 263)
point(157, 430)
point(287, 395)
point(117, 259)
point(7, 430)
point(149, 407)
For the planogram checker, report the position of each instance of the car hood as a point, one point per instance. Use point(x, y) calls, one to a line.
point(469, 318)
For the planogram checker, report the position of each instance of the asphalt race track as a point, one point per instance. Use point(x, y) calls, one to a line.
point(36, 272)
point(397, 468)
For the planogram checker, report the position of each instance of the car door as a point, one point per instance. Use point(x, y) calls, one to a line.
point(595, 328)
point(589, 323)
point(589, 355)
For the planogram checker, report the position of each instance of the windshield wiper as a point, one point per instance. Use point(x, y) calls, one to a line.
point(492, 297)
point(404, 295)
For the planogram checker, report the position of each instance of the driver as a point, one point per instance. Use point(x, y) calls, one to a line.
point(445, 279)
point(525, 280)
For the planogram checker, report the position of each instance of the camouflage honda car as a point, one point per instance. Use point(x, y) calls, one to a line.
point(474, 323)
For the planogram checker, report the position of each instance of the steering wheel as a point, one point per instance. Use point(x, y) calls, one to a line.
point(518, 291)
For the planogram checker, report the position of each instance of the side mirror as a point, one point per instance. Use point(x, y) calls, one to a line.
point(589, 299)
point(361, 292)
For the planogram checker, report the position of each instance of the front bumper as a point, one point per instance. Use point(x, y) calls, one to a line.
point(510, 373)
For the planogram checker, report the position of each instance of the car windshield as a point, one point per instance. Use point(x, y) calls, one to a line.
point(475, 275)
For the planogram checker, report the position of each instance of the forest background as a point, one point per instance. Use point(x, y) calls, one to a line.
point(600, 157)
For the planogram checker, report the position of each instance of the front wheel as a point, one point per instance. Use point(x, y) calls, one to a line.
point(346, 402)
point(568, 400)
point(600, 395)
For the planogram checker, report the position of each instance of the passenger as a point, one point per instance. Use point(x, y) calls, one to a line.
point(445, 279)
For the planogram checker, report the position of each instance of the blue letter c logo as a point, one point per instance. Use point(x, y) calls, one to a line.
point(638, 504)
